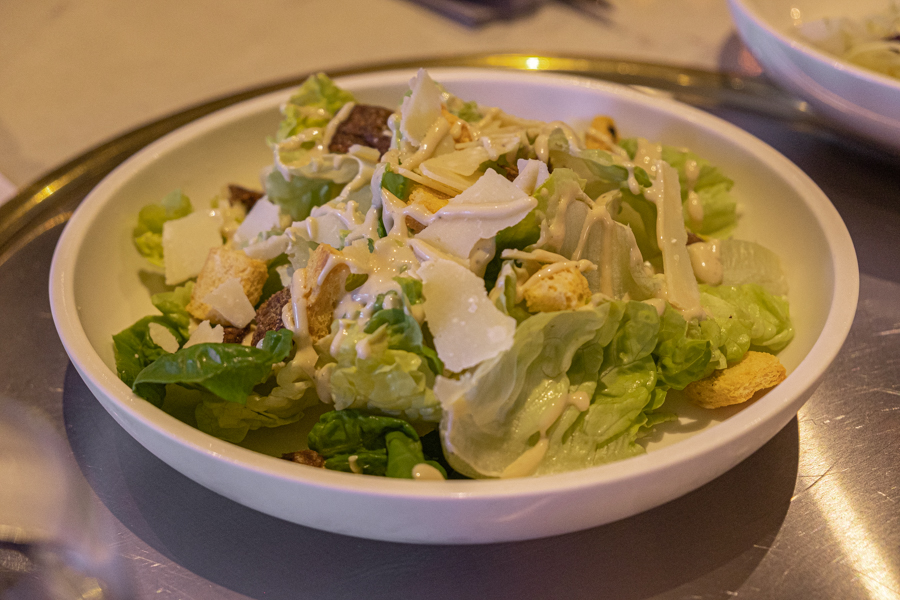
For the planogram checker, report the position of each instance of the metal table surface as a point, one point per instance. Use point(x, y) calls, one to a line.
point(815, 513)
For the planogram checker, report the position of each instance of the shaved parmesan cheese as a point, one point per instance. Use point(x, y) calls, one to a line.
point(682, 291)
point(269, 248)
point(186, 244)
point(206, 334)
point(230, 301)
point(532, 175)
point(464, 162)
point(466, 326)
point(492, 204)
point(458, 170)
point(263, 217)
point(421, 108)
point(162, 337)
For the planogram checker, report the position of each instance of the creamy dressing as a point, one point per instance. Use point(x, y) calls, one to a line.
point(333, 124)
point(534, 255)
point(648, 156)
point(436, 133)
point(542, 142)
point(681, 286)
point(553, 234)
point(425, 472)
point(706, 261)
point(527, 463)
point(353, 462)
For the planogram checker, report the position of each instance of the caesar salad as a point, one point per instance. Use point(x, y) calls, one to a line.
point(459, 292)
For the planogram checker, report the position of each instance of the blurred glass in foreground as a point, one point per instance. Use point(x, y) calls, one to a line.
point(54, 543)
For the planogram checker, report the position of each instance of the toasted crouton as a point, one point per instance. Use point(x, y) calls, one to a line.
point(428, 199)
point(322, 298)
point(223, 264)
point(552, 289)
point(602, 134)
point(739, 382)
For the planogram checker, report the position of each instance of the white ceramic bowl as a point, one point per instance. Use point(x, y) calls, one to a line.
point(96, 291)
point(864, 102)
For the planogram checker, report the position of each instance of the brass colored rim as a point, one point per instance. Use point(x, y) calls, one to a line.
point(50, 200)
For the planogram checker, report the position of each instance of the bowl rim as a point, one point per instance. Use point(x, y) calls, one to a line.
point(752, 12)
point(777, 407)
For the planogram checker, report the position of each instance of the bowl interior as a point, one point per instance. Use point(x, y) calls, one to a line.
point(100, 285)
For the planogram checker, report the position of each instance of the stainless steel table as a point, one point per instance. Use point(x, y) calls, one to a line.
point(815, 513)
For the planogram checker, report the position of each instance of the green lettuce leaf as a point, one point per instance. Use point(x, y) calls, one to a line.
point(231, 421)
point(230, 371)
point(603, 358)
point(382, 445)
point(314, 103)
point(396, 184)
point(135, 350)
point(381, 379)
point(403, 333)
point(766, 317)
point(173, 305)
point(147, 235)
point(299, 195)
point(682, 357)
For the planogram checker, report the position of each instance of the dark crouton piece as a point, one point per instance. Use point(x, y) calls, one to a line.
point(365, 125)
point(306, 457)
point(268, 315)
point(242, 195)
point(235, 335)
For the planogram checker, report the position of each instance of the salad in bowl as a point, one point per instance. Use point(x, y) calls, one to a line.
point(455, 291)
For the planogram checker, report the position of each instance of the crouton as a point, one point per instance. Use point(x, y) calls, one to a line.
point(739, 382)
point(222, 264)
point(427, 198)
point(602, 134)
point(310, 458)
point(552, 289)
point(322, 298)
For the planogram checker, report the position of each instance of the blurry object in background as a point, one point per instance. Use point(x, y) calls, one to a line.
point(474, 13)
point(859, 101)
point(7, 189)
point(871, 42)
point(53, 543)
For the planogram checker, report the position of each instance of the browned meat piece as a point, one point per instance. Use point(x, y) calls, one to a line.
point(268, 315)
point(241, 195)
point(235, 335)
point(365, 125)
point(306, 457)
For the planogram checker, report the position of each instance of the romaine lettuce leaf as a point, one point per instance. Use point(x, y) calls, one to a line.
point(174, 306)
point(712, 187)
point(298, 195)
point(493, 415)
point(765, 316)
point(393, 382)
point(135, 350)
point(314, 103)
point(403, 333)
point(681, 355)
point(231, 421)
point(230, 371)
point(382, 445)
